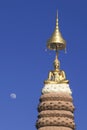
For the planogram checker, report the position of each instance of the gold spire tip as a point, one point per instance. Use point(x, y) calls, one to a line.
point(57, 20)
point(56, 42)
point(57, 13)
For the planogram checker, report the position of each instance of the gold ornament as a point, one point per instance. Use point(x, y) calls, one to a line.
point(56, 42)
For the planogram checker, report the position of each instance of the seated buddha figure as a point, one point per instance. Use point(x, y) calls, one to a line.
point(57, 75)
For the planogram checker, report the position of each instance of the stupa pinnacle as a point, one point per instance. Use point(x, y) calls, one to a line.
point(56, 103)
point(56, 41)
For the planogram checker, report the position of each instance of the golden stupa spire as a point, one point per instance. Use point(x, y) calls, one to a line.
point(56, 42)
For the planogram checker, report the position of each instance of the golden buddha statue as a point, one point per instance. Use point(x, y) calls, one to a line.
point(56, 75)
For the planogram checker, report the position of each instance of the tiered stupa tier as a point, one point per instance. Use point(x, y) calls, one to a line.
point(56, 104)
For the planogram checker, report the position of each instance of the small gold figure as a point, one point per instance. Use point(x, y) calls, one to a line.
point(57, 75)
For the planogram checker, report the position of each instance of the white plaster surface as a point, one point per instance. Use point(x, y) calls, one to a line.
point(48, 88)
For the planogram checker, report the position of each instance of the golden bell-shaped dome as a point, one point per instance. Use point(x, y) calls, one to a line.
point(56, 42)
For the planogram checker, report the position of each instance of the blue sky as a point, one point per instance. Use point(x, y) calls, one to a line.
point(25, 26)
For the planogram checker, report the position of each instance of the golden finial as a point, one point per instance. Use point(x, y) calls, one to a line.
point(56, 42)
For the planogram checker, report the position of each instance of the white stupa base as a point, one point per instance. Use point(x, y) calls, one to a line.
point(49, 88)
